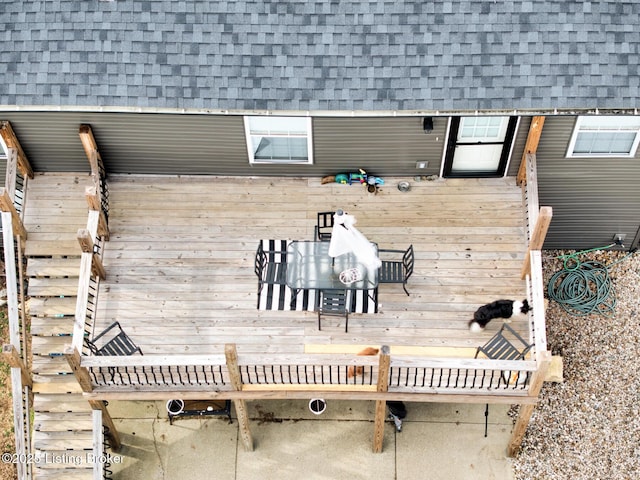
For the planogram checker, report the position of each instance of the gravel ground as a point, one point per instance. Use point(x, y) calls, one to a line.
point(588, 427)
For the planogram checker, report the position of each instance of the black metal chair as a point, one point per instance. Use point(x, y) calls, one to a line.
point(501, 347)
point(324, 226)
point(119, 345)
point(333, 302)
point(397, 270)
point(269, 272)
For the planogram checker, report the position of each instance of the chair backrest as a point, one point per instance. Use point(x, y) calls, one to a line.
point(325, 219)
point(324, 226)
point(333, 302)
point(499, 347)
point(408, 260)
point(119, 345)
point(260, 262)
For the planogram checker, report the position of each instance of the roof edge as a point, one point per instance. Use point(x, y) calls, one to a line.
point(320, 113)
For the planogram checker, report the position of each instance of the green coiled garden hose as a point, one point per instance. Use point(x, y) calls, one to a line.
point(582, 288)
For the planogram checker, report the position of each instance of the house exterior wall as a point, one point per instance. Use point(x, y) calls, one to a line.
point(215, 144)
point(592, 198)
point(174, 144)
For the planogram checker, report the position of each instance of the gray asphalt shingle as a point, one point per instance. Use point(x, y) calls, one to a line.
point(333, 55)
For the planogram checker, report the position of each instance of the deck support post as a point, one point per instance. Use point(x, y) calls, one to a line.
point(231, 355)
point(381, 405)
point(525, 412)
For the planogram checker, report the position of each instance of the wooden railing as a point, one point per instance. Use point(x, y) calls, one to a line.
point(537, 221)
point(535, 287)
point(194, 375)
point(14, 236)
point(250, 377)
point(91, 240)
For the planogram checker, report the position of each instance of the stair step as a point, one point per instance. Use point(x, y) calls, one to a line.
point(50, 346)
point(61, 384)
point(46, 287)
point(54, 267)
point(48, 402)
point(39, 248)
point(52, 326)
point(63, 422)
point(52, 306)
point(80, 473)
point(42, 365)
point(80, 440)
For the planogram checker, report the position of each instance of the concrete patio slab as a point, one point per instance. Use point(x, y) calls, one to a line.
point(438, 441)
point(190, 448)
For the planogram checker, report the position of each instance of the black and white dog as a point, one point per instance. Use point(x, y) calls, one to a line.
point(497, 309)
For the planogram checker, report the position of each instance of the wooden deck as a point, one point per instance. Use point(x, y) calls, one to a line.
point(180, 261)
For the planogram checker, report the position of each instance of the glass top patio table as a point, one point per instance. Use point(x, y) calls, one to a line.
point(309, 266)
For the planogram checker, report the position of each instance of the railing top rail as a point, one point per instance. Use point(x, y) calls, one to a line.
point(463, 363)
point(152, 360)
point(316, 359)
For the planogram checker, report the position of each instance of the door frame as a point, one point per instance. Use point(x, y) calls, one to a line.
point(452, 142)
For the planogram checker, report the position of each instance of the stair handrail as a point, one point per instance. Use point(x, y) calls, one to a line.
point(91, 240)
point(14, 236)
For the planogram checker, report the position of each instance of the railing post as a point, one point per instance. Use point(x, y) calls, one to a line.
point(11, 141)
point(81, 373)
point(86, 244)
point(94, 203)
point(94, 193)
point(537, 238)
point(381, 405)
point(6, 205)
point(11, 173)
point(12, 357)
point(525, 412)
point(231, 356)
point(535, 131)
point(98, 445)
point(107, 421)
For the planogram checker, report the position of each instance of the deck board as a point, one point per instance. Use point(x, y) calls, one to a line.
point(180, 275)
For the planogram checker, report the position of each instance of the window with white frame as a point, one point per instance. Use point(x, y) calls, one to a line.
point(605, 136)
point(279, 140)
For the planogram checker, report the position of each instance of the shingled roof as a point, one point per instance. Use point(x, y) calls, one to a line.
point(323, 55)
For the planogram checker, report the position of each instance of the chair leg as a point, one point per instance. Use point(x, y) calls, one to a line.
point(346, 323)
point(404, 286)
point(319, 327)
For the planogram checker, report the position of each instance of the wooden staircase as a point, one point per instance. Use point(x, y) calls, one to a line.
point(63, 428)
